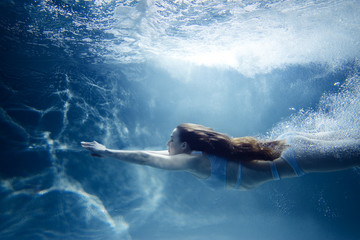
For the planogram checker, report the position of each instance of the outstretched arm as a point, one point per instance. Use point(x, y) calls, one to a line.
point(157, 159)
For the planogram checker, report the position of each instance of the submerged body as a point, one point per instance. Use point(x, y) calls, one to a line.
point(303, 153)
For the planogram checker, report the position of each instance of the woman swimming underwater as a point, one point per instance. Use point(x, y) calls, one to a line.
point(242, 163)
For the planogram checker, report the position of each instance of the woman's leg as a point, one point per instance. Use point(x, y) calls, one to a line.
point(314, 154)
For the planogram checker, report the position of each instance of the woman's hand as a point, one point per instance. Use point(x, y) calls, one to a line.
point(97, 149)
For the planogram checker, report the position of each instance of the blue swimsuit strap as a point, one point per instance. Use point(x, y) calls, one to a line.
point(274, 171)
point(290, 158)
point(238, 182)
point(218, 172)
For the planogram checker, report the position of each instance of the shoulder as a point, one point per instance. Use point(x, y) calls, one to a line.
point(199, 165)
point(189, 159)
point(196, 164)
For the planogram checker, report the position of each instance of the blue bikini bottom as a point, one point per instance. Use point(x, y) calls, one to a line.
point(289, 156)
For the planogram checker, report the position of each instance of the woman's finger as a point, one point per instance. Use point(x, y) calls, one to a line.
point(86, 144)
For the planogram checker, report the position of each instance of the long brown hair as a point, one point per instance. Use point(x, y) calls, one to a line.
point(201, 138)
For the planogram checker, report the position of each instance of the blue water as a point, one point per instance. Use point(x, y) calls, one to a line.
point(125, 73)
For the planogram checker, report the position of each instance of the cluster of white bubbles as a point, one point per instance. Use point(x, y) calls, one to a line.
point(336, 112)
point(251, 37)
